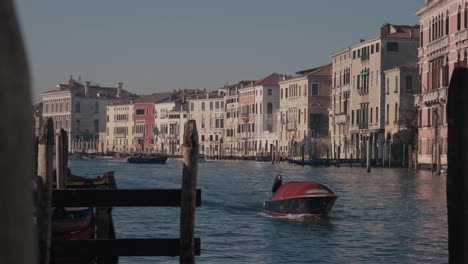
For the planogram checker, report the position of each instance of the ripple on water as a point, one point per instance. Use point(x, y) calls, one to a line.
point(382, 217)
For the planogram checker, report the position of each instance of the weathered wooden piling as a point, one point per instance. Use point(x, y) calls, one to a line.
point(368, 154)
point(188, 193)
point(59, 173)
point(457, 181)
point(45, 172)
point(16, 143)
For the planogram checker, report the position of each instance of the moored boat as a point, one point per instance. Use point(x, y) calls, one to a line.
point(306, 198)
point(150, 158)
point(263, 158)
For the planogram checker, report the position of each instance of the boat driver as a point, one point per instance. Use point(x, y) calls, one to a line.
point(277, 183)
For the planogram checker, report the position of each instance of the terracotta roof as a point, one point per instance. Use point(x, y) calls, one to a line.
point(399, 31)
point(324, 70)
point(411, 64)
point(153, 98)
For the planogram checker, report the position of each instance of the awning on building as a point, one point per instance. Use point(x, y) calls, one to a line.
point(364, 73)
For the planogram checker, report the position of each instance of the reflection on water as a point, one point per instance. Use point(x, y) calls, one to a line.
point(386, 216)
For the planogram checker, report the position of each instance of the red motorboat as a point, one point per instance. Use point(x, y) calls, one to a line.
point(305, 198)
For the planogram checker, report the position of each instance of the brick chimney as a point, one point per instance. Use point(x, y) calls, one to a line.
point(119, 89)
point(86, 88)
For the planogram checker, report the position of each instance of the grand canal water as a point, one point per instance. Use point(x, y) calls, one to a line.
point(386, 216)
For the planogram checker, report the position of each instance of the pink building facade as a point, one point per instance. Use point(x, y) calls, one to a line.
point(443, 47)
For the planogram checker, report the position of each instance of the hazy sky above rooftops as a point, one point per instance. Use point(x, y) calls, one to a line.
point(162, 45)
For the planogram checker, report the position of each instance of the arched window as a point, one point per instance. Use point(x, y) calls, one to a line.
point(447, 23)
point(388, 113)
point(396, 113)
point(396, 84)
point(269, 108)
point(459, 18)
point(465, 19)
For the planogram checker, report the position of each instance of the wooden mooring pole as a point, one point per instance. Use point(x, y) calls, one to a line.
point(457, 177)
point(188, 193)
point(16, 143)
point(45, 170)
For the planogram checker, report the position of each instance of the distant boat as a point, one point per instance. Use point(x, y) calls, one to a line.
point(306, 198)
point(263, 158)
point(148, 158)
point(74, 181)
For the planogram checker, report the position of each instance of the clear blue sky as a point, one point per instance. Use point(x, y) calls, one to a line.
point(163, 45)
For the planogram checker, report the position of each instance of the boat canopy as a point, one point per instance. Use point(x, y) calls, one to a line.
point(301, 188)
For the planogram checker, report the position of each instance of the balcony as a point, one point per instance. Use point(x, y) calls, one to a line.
point(437, 45)
point(138, 135)
point(417, 99)
point(365, 57)
point(345, 88)
point(461, 36)
point(420, 52)
point(435, 96)
point(341, 118)
point(120, 135)
point(291, 126)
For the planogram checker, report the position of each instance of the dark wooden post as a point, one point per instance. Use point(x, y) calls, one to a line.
point(44, 171)
point(61, 158)
point(302, 154)
point(403, 156)
point(457, 182)
point(65, 156)
point(59, 161)
point(188, 193)
point(16, 143)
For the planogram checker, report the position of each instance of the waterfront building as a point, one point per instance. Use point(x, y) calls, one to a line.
point(144, 121)
point(443, 47)
point(208, 111)
point(80, 109)
point(265, 109)
point(369, 59)
point(340, 110)
point(303, 109)
point(119, 128)
point(402, 83)
point(246, 120)
point(231, 123)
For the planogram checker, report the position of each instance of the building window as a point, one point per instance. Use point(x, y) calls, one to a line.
point(392, 46)
point(352, 117)
point(459, 18)
point(388, 115)
point(217, 105)
point(281, 93)
point(354, 54)
point(377, 46)
point(377, 115)
point(192, 107)
point(315, 89)
point(270, 91)
point(447, 24)
point(140, 111)
point(409, 83)
point(203, 106)
point(396, 84)
point(396, 113)
point(372, 49)
point(77, 107)
point(211, 106)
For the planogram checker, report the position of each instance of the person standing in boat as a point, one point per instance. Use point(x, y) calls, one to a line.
point(277, 183)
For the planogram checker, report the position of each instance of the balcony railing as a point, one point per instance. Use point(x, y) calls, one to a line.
point(291, 126)
point(364, 57)
point(363, 126)
point(138, 135)
point(436, 45)
point(461, 35)
point(341, 118)
point(435, 96)
point(119, 135)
